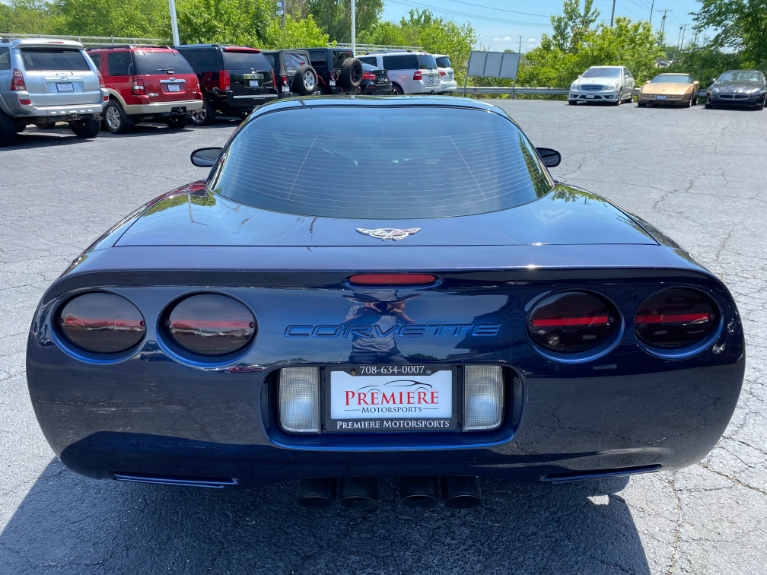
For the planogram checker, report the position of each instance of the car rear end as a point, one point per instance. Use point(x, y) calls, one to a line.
point(164, 85)
point(50, 80)
point(446, 73)
point(251, 79)
point(375, 82)
point(414, 73)
point(285, 63)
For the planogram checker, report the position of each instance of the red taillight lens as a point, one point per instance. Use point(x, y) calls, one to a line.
point(25, 102)
point(571, 322)
point(101, 80)
point(418, 75)
point(332, 74)
point(137, 88)
point(17, 82)
point(392, 279)
point(284, 80)
point(101, 323)
point(675, 318)
point(223, 80)
point(441, 73)
point(368, 76)
point(210, 324)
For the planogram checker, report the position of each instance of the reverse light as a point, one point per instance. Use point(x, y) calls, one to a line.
point(210, 325)
point(223, 80)
point(392, 279)
point(299, 399)
point(675, 318)
point(17, 81)
point(101, 323)
point(418, 75)
point(571, 322)
point(137, 88)
point(482, 397)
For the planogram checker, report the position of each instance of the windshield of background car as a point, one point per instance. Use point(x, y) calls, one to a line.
point(672, 79)
point(426, 62)
point(53, 59)
point(352, 162)
point(602, 73)
point(741, 77)
point(160, 63)
point(443, 62)
point(245, 61)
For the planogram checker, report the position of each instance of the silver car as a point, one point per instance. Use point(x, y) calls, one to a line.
point(613, 84)
point(409, 72)
point(446, 73)
point(44, 81)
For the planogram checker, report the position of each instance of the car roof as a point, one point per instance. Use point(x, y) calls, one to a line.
point(675, 74)
point(29, 42)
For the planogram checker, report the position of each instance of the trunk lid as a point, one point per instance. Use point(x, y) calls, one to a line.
point(250, 73)
point(58, 76)
point(166, 75)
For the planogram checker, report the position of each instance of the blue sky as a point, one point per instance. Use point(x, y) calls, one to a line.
point(500, 23)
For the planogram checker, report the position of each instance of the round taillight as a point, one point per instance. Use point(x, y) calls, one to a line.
point(101, 323)
point(675, 318)
point(210, 324)
point(571, 322)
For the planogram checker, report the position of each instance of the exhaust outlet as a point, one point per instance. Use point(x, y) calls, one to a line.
point(419, 492)
point(359, 492)
point(317, 493)
point(461, 492)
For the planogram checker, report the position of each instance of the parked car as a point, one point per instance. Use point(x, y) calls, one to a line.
point(44, 81)
point(146, 84)
point(738, 88)
point(459, 314)
point(294, 74)
point(613, 84)
point(669, 88)
point(234, 79)
point(409, 72)
point(375, 82)
point(337, 69)
point(446, 73)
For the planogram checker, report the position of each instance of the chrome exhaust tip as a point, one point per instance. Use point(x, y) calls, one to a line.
point(316, 493)
point(359, 492)
point(461, 492)
point(419, 492)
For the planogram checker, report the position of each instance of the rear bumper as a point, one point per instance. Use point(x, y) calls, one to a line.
point(449, 86)
point(163, 108)
point(11, 105)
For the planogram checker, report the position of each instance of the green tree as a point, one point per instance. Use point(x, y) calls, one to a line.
point(705, 63)
point(334, 16)
point(127, 18)
point(29, 17)
point(741, 25)
point(572, 26)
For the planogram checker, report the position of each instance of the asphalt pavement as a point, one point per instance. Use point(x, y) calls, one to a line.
point(699, 175)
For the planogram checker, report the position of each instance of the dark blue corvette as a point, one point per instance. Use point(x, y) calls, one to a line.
point(382, 287)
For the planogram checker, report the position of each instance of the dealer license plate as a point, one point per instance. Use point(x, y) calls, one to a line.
point(381, 398)
point(65, 87)
point(174, 87)
point(253, 83)
point(660, 97)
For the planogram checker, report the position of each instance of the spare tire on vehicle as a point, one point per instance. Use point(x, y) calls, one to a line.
point(351, 74)
point(305, 80)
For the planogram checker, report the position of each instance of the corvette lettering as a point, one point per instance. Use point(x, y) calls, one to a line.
point(411, 330)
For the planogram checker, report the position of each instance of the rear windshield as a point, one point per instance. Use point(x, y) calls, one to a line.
point(161, 63)
point(443, 62)
point(602, 73)
point(53, 59)
point(672, 79)
point(245, 61)
point(381, 163)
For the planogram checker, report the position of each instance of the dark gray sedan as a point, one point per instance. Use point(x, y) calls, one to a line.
point(738, 88)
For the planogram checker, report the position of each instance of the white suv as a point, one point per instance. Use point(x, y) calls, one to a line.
point(46, 81)
point(409, 72)
point(446, 74)
point(613, 84)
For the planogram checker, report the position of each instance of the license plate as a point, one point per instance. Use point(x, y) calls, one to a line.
point(66, 87)
point(384, 398)
point(590, 96)
point(660, 97)
point(174, 87)
point(332, 82)
point(253, 83)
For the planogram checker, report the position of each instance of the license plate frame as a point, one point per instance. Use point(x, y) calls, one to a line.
point(65, 87)
point(590, 97)
point(174, 87)
point(402, 424)
point(660, 97)
point(253, 83)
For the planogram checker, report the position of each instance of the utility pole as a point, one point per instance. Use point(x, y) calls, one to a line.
point(683, 31)
point(651, 9)
point(354, 28)
point(612, 17)
point(173, 23)
point(679, 40)
point(663, 26)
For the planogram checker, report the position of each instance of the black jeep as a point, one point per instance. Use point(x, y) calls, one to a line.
point(338, 70)
point(294, 75)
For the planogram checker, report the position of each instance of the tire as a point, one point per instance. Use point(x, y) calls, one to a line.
point(695, 100)
point(205, 116)
point(86, 128)
point(620, 98)
point(45, 125)
point(177, 123)
point(572, 102)
point(7, 130)
point(351, 74)
point(396, 90)
point(305, 80)
point(114, 118)
point(689, 104)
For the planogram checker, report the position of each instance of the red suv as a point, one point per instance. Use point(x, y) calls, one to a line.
point(146, 84)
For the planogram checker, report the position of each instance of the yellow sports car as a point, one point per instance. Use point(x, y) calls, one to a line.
point(670, 89)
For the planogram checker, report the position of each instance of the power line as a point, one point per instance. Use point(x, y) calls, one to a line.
point(468, 15)
point(501, 9)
